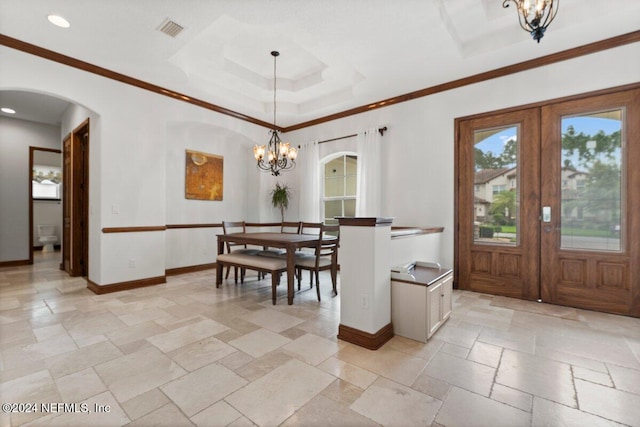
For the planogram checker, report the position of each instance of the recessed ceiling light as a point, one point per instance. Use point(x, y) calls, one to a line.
point(8, 110)
point(58, 20)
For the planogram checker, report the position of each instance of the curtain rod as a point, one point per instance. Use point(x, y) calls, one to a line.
point(382, 130)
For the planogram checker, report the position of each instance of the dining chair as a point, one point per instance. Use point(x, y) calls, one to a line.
point(325, 257)
point(312, 228)
point(290, 227)
point(229, 227)
point(287, 227)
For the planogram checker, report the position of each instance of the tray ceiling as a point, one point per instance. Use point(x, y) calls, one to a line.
point(335, 54)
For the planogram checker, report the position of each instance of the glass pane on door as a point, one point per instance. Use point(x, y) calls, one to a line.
point(496, 195)
point(591, 181)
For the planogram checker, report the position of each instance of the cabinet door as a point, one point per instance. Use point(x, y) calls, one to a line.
point(447, 294)
point(434, 306)
point(409, 310)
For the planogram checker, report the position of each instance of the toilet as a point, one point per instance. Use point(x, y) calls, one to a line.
point(48, 236)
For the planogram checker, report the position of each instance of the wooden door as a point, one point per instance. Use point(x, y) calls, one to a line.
point(498, 204)
point(67, 200)
point(591, 193)
point(81, 199)
point(75, 244)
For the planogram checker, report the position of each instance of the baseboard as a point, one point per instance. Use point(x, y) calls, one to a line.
point(189, 269)
point(15, 263)
point(366, 339)
point(124, 286)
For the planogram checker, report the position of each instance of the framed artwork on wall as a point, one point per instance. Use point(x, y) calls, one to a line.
point(203, 176)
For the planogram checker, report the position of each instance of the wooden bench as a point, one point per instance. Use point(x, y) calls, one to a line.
point(275, 266)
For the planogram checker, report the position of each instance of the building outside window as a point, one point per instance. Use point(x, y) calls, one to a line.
point(499, 189)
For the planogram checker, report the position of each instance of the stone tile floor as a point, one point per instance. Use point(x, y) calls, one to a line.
point(185, 353)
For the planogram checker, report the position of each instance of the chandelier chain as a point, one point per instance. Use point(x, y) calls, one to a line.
point(274, 89)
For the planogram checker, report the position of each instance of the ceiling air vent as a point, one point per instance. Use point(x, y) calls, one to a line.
point(170, 28)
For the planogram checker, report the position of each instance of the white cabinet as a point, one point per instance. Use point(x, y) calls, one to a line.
point(420, 302)
point(439, 303)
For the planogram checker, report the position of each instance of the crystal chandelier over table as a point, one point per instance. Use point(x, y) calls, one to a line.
point(276, 156)
point(535, 15)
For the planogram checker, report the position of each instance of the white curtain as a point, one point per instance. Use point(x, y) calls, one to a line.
point(369, 182)
point(308, 164)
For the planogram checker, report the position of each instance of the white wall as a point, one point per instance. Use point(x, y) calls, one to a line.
point(15, 138)
point(128, 161)
point(418, 179)
point(132, 152)
point(421, 247)
point(185, 247)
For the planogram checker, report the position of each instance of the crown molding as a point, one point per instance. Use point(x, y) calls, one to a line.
point(104, 72)
point(564, 55)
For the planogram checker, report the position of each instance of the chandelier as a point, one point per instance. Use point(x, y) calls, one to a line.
point(535, 15)
point(276, 156)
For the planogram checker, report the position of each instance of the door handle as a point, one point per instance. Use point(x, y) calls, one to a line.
point(548, 228)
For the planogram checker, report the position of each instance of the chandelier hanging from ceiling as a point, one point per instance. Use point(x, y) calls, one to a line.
point(535, 15)
point(276, 156)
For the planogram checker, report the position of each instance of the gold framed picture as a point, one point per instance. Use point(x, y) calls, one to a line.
point(203, 176)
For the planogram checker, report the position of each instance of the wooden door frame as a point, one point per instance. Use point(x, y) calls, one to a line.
point(77, 240)
point(511, 270)
point(624, 264)
point(457, 152)
point(31, 150)
point(83, 214)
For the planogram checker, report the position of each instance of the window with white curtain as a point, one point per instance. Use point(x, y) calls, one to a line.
point(46, 182)
point(340, 187)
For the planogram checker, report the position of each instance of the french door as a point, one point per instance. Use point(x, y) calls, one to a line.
point(498, 199)
point(549, 203)
point(591, 191)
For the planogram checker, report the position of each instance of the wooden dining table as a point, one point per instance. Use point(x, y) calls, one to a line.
point(290, 242)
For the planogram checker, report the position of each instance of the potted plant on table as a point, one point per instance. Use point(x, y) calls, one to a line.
point(280, 196)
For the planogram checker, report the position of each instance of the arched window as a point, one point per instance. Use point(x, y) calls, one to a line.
point(339, 187)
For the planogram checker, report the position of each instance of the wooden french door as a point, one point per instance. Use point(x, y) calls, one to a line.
point(591, 192)
point(549, 203)
point(498, 160)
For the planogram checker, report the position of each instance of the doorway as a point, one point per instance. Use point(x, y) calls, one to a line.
point(75, 206)
point(45, 181)
point(548, 203)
